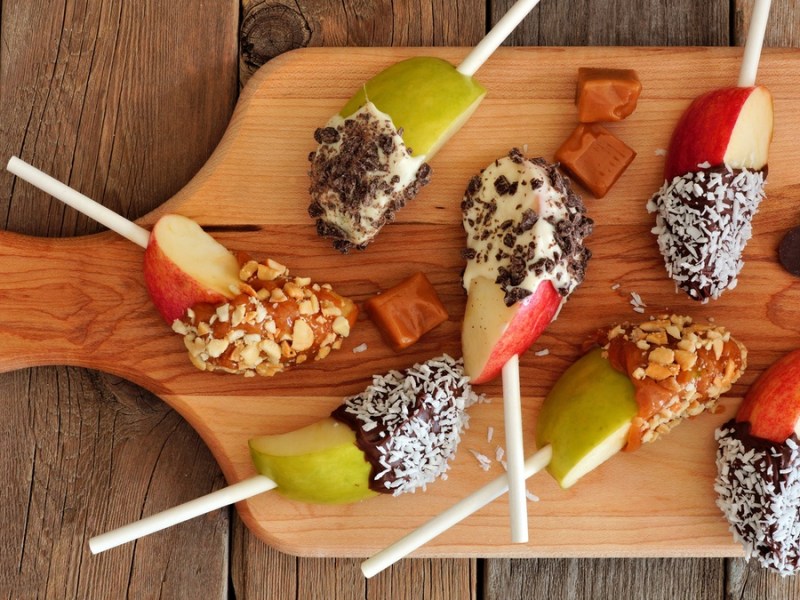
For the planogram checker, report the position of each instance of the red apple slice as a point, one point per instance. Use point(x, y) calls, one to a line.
point(730, 126)
point(492, 332)
point(184, 266)
point(772, 404)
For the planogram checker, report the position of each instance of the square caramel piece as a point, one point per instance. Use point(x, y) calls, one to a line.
point(605, 95)
point(407, 311)
point(595, 157)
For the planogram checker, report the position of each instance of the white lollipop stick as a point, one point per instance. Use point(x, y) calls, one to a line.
point(512, 418)
point(93, 210)
point(178, 514)
point(755, 40)
point(495, 37)
point(453, 515)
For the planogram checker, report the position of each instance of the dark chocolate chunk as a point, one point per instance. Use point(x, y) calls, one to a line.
point(326, 135)
point(789, 251)
point(502, 185)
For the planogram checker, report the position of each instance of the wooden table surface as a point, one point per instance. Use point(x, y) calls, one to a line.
point(125, 101)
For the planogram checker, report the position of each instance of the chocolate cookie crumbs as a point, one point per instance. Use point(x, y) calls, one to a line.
point(409, 424)
point(758, 491)
point(361, 174)
point(703, 222)
point(519, 234)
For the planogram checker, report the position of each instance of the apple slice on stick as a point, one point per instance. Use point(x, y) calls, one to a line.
point(525, 229)
point(268, 320)
point(376, 442)
point(374, 151)
point(714, 177)
point(757, 483)
point(604, 403)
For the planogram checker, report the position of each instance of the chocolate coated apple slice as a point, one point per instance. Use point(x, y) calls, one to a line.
point(758, 468)
point(714, 177)
point(395, 437)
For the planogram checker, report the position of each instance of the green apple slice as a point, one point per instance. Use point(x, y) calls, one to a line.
point(585, 417)
point(319, 463)
point(424, 96)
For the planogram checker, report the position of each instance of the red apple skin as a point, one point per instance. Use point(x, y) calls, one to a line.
point(171, 290)
point(772, 404)
point(532, 317)
point(704, 130)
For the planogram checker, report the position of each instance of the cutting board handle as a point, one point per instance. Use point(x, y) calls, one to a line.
point(62, 300)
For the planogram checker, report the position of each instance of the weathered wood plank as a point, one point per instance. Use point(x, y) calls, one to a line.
point(621, 23)
point(699, 579)
point(783, 30)
point(271, 28)
point(84, 453)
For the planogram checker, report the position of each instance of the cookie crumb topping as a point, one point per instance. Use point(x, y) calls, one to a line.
point(362, 173)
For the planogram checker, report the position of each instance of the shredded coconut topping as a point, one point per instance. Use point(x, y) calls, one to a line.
point(703, 223)
point(758, 491)
point(409, 424)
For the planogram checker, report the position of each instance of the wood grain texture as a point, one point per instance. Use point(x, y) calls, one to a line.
point(621, 23)
point(104, 95)
point(262, 150)
point(270, 28)
point(622, 579)
point(571, 23)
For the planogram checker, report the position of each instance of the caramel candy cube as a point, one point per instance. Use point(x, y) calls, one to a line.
point(595, 157)
point(606, 94)
point(407, 311)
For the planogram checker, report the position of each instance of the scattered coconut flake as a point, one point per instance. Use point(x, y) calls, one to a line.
point(499, 453)
point(542, 352)
point(661, 152)
point(636, 300)
point(616, 286)
point(484, 461)
point(489, 434)
point(531, 496)
point(360, 348)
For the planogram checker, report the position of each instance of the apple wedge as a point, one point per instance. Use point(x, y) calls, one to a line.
point(492, 332)
point(394, 437)
point(586, 417)
point(184, 266)
point(319, 463)
point(426, 97)
point(729, 126)
point(772, 404)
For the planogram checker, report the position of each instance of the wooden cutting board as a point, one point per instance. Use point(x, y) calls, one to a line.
point(82, 301)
